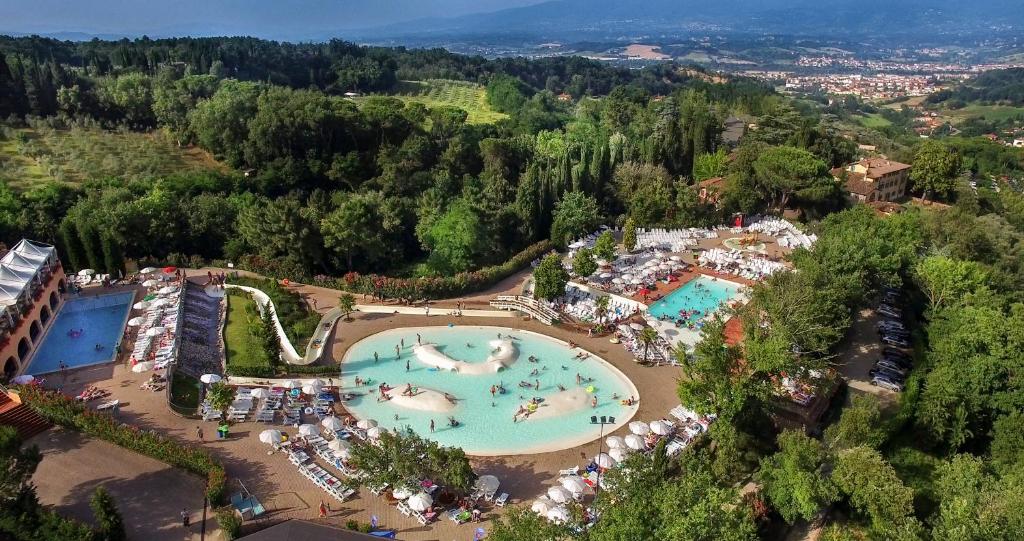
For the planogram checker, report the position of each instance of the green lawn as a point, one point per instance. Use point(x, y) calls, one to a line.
point(467, 96)
point(32, 156)
point(874, 120)
point(240, 349)
point(988, 112)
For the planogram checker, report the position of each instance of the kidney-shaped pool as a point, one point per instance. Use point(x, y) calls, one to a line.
point(509, 391)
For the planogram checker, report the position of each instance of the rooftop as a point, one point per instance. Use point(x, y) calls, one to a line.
point(877, 167)
point(19, 266)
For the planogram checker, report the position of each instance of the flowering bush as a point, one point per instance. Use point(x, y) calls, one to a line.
point(62, 410)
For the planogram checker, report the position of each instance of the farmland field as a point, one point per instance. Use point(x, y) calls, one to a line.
point(467, 96)
point(32, 156)
point(874, 120)
point(988, 112)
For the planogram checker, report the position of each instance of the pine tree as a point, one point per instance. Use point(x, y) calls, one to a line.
point(109, 524)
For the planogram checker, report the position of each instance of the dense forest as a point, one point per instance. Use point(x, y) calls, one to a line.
point(323, 185)
point(998, 86)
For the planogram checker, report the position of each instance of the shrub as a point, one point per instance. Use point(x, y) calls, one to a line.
point(352, 524)
point(230, 523)
point(62, 410)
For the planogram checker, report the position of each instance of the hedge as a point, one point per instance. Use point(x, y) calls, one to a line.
point(385, 287)
point(286, 370)
point(62, 410)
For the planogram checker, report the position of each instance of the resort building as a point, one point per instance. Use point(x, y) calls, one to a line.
point(874, 179)
point(32, 284)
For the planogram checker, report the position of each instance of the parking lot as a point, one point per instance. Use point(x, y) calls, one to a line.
point(859, 352)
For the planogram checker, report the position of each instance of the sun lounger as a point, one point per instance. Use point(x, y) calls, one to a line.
point(502, 499)
point(403, 508)
point(568, 472)
point(108, 405)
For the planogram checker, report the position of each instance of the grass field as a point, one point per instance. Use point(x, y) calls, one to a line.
point(988, 112)
point(32, 156)
point(240, 349)
point(873, 120)
point(467, 96)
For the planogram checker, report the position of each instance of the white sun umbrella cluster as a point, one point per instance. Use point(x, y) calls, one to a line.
point(604, 460)
point(420, 501)
point(559, 494)
point(542, 505)
point(209, 378)
point(332, 423)
point(639, 428)
point(270, 436)
point(309, 430)
point(635, 442)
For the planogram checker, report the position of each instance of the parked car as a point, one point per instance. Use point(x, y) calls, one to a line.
point(889, 313)
point(903, 362)
point(890, 308)
point(895, 341)
point(893, 352)
point(892, 322)
point(891, 366)
point(885, 382)
point(894, 332)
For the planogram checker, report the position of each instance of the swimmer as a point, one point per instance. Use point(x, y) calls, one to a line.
point(494, 389)
point(535, 372)
point(561, 387)
point(593, 402)
point(449, 398)
point(468, 345)
point(418, 342)
point(375, 357)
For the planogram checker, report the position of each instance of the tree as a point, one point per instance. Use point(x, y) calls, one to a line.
point(945, 280)
point(346, 303)
point(717, 380)
point(520, 524)
point(1008, 443)
point(604, 247)
point(220, 395)
point(873, 488)
point(576, 215)
point(365, 226)
point(629, 235)
point(707, 166)
point(646, 192)
point(859, 424)
point(936, 167)
point(221, 123)
point(647, 337)
point(974, 504)
point(549, 278)
point(455, 239)
point(794, 479)
point(583, 263)
point(601, 307)
point(109, 524)
point(17, 464)
point(784, 172)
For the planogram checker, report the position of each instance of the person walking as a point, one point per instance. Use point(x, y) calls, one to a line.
point(185, 517)
point(431, 425)
point(199, 433)
point(323, 509)
point(375, 357)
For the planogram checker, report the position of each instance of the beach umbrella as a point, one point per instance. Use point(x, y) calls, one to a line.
point(615, 442)
point(141, 305)
point(602, 262)
point(639, 428)
point(148, 270)
point(158, 303)
point(420, 502)
point(616, 280)
point(291, 384)
point(374, 433)
point(150, 283)
point(627, 276)
point(559, 494)
point(260, 392)
point(317, 381)
point(270, 436)
point(619, 454)
point(644, 291)
point(309, 430)
point(604, 460)
point(487, 483)
point(332, 423)
point(542, 505)
point(155, 331)
point(661, 428)
point(23, 379)
point(210, 378)
point(605, 275)
point(170, 269)
point(338, 444)
point(344, 454)
point(573, 484)
point(558, 514)
point(142, 367)
point(636, 281)
point(366, 424)
point(401, 493)
point(311, 389)
point(166, 290)
point(676, 258)
point(636, 326)
point(635, 442)
point(664, 266)
point(136, 321)
point(86, 272)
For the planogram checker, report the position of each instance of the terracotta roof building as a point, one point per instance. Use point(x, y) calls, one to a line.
point(874, 179)
point(710, 190)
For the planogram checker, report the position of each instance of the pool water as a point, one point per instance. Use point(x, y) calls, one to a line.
point(101, 320)
point(486, 426)
point(699, 297)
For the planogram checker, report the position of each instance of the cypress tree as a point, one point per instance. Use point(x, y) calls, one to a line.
point(71, 245)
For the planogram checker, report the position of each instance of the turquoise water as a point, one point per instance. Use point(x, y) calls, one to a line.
point(101, 320)
point(486, 422)
point(701, 296)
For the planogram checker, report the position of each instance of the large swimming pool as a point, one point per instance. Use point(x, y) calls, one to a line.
point(465, 362)
point(79, 326)
point(695, 300)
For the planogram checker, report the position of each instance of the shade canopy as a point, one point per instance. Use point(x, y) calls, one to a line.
point(169, 269)
point(339, 444)
point(166, 290)
point(141, 305)
point(558, 514)
point(23, 379)
point(619, 453)
point(309, 430)
point(639, 427)
point(401, 493)
point(617, 280)
point(420, 501)
point(155, 331)
point(604, 460)
point(311, 389)
point(635, 442)
point(260, 392)
point(148, 270)
point(150, 283)
point(332, 423)
point(291, 384)
point(559, 494)
point(366, 424)
point(487, 483)
point(542, 505)
point(210, 378)
point(661, 428)
point(136, 321)
point(574, 484)
point(270, 436)
point(142, 367)
point(615, 442)
point(157, 303)
point(636, 326)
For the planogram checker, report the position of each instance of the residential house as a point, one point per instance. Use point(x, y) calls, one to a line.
point(874, 179)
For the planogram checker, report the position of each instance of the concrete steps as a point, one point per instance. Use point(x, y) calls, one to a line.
point(27, 422)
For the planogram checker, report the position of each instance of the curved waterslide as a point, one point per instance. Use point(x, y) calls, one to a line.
point(288, 353)
point(503, 355)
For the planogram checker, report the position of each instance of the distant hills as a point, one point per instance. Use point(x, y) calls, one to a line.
point(603, 19)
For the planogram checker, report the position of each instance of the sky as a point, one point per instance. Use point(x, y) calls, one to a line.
point(274, 19)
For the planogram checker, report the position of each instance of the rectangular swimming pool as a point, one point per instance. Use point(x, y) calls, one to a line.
point(695, 300)
point(85, 331)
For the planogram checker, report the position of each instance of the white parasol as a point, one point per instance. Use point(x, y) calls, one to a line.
point(338, 444)
point(157, 303)
point(270, 436)
point(332, 423)
point(605, 275)
point(559, 494)
point(615, 442)
point(155, 331)
point(148, 270)
point(420, 502)
point(23, 379)
point(366, 424)
point(150, 283)
point(309, 430)
point(86, 272)
point(619, 453)
point(291, 384)
point(141, 305)
point(627, 276)
point(661, 428)
point(676, 258)
point(617, 280)
point(136, 321)
point(573, 484)
point(635, 442)
point(374, 433)
point(639, 428)
point(260, 392)
point(311, 389)
point(142, 367)
point(558, 514)
point(487, 483)
point(401, 493)
point(210, 378)
point(542, 505)
point(604, 460)
point(167, 290)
